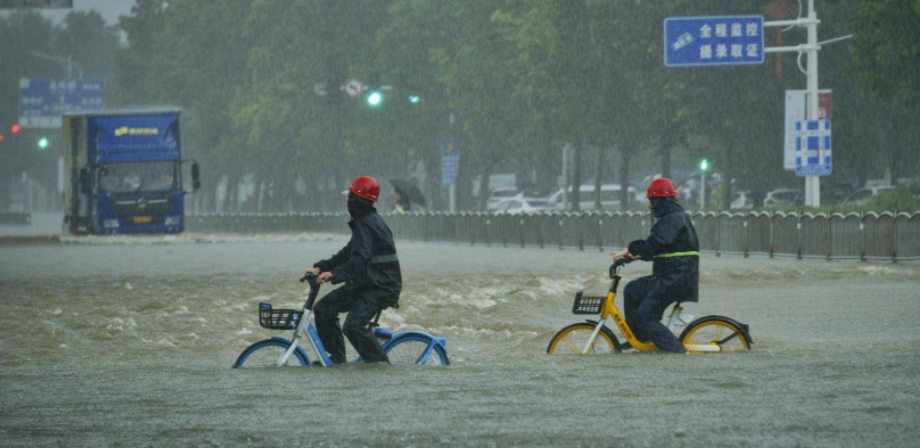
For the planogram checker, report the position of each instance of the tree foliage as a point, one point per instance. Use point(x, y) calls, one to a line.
point(512, 81)
point(886, 47)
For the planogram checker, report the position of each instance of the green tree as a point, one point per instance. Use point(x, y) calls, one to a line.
point(886, 47)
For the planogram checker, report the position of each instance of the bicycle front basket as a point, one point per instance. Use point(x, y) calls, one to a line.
point(587, 304)
point(278, 319)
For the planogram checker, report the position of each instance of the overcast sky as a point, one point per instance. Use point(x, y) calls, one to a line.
point(110, 9)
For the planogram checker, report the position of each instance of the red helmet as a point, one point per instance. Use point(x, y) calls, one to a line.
point(365, 187)
point(661, 188)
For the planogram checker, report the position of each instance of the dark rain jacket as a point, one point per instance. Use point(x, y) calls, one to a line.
point(368, 262)
point(676, 276)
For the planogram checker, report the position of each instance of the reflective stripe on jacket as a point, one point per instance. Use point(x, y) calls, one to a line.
point(673, 249)
point(369, 260)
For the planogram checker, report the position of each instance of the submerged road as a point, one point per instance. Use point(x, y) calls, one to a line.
point(128, 342)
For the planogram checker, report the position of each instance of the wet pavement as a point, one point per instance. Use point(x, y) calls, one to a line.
point(128, 342)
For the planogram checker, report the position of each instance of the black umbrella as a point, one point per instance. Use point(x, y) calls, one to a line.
point(409, 191)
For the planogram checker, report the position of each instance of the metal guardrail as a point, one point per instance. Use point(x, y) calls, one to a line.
point(15, 219)
point(861, 236)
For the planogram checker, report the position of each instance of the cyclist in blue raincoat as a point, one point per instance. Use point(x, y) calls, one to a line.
point(673, 249)
point(369, 267)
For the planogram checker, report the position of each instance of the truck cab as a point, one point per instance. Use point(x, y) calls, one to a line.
point(125, 172)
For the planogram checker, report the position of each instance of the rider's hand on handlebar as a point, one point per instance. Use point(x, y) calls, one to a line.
point(620, 253)
point(324, 277)
point(314, 271)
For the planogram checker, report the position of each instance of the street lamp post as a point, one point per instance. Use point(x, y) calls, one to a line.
point(68, 61)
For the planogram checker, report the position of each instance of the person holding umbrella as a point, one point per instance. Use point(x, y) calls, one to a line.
point(406, 194)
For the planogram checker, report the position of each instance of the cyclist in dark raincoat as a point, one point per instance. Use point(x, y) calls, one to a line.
point(673, 249)
point(369, 267)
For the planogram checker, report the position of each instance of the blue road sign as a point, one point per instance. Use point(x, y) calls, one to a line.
point(450, 162)
point(42, 101)
point(725, 40)
point(813, 148)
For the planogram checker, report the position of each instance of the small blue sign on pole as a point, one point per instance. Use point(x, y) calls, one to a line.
point(724, 40)
point(813, 148)
point(450, 162)
point(42, 101)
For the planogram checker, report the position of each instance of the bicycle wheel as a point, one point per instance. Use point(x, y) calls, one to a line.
point(574, 338)
point(412, 349)
point(266, 354)
point(708, 332)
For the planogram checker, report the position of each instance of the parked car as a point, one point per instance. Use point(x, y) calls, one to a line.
point(863, 195)
point(499, 195)
point(783, 196)
point(742, 200)
point(522, 205)
point(610, 197)
point(835, 193)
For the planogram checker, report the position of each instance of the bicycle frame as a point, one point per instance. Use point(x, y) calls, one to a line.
point(610, 310)
point(306, 328)
point(315, 342)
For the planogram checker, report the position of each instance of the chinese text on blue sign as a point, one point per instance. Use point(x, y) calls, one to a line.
point(813, 148)
point(726, 40)
point(43, 101)
point(450, 162)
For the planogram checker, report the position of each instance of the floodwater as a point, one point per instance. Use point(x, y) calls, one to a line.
point(129, 342)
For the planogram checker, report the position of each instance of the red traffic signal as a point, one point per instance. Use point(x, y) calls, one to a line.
point(15, 128)
point(1, 137)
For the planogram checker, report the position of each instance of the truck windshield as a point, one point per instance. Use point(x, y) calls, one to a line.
point(134, 177)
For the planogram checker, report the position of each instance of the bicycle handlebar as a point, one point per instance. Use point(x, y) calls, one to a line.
point(618, 263)
point(314, 289)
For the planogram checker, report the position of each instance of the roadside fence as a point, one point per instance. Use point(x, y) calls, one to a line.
point(859, 236)
point(15, 219)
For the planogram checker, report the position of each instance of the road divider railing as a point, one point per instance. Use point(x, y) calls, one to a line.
point(15, 219)
point(860, 236)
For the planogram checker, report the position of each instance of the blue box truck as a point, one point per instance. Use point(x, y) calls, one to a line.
point(123, 173)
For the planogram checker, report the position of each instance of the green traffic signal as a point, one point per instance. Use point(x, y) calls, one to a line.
point(414, 99)
point(704, 165)
point(43, 143)
point(374, 99)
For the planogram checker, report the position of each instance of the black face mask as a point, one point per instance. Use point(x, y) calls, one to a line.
point(358, 206)
point(353, 206)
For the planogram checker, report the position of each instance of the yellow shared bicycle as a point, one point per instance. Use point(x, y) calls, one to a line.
point(709, 334)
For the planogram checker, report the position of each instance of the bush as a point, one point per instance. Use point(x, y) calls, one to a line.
point(900, 200)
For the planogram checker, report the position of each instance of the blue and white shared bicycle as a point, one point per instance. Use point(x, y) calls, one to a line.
point(410, 347)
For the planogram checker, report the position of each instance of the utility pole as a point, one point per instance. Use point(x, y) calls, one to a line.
point(812, 183)
point(811, 47)
point(452, 189)
point(565, 176)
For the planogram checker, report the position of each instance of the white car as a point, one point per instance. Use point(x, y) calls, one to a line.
point(610, 197)
point(499, 195)
point(863, 195)
point(742, 200)
point(522, 205)
point(783, 196)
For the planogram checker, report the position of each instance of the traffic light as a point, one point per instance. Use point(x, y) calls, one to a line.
point(374, 98)
point(414, 99)
point(43, 143)
point(1, 137)
point(704, 165)
point(15, 128)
